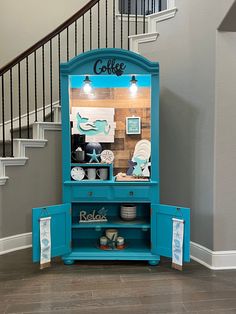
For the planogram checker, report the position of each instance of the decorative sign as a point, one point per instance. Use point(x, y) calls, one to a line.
point(45, 242)
point(95, 216)
point(110, 67)
point(133, 125)
point(97, 124)
point(177, 243)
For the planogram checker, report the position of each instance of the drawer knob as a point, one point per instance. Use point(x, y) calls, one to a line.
point(90, 193)
point(131, 193)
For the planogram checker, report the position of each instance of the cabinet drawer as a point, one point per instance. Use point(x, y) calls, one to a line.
point(90, 194)
point(132, 193)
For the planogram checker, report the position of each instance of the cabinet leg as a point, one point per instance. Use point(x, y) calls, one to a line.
point(153, 263)
point(69, 262)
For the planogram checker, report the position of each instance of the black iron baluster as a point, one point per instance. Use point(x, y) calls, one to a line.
point(136, 17)
point(128, 21)
point(121, 25)
point(98, 24)
point(19, 98)
point(67, 43)
point(83, 33)
point(76, 38)
point(3, 120)
point(11, 112)
point(90, 28)
point(51, 74)
point(114, 23)
point(27, 96)
point(154, 7)
point(35, 87)
point(59, 62)
point(141, 7)
point(160, 5)
point(144, 15)
point(106, 25)
point(43, 79)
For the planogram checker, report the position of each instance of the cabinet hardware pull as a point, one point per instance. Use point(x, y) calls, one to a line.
point(131, 193)
point(90, 193)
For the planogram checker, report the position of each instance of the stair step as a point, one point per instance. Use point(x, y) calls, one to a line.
point(21, 144)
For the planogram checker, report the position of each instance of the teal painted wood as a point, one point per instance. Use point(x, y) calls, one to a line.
point(60, 229)
point(162, 227)
point(84, 63)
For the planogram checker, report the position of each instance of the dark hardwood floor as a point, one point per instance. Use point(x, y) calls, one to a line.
point(113, 288)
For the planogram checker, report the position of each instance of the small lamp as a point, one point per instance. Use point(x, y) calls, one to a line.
point(87, 85)
point(133, 85)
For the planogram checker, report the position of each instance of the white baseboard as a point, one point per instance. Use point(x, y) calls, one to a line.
point(216, 260)
point(15, 243)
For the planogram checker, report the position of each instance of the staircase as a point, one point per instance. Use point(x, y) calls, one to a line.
point(30, 85)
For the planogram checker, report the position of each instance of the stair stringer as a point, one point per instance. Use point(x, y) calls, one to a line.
point(20, 145)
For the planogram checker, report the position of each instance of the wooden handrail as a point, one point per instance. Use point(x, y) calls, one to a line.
point(47, 38)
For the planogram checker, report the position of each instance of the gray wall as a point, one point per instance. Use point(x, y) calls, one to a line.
point(225, 144)
point(38, 183)
point(22, 23)
point(186, 52)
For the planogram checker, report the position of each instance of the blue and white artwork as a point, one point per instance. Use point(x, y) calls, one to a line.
point(177, 242)
point(97, 124)
point(45, 241)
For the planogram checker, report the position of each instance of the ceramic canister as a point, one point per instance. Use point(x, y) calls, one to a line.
point(128, 212)
point(112, 234)
point(103, 240)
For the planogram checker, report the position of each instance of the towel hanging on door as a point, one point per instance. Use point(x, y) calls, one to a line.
point(45, 242)
point(177, 243)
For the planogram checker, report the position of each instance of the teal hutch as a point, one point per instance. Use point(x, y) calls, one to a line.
point(149, 235)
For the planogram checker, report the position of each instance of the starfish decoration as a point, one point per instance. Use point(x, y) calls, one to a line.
point(94, 156)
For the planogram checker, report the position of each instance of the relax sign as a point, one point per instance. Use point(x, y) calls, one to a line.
point(94, 216)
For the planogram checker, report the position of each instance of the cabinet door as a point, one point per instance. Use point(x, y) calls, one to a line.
point(60, 229)
point(162, 229)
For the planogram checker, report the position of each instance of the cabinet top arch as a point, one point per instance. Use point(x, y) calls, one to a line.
point(109, 61)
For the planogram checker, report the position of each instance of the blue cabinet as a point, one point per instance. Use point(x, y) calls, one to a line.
point(149, 236)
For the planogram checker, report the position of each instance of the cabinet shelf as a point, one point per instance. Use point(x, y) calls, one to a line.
point(138, 224)
point(90, 248)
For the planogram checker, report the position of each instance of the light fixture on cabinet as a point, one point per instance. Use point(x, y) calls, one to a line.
point(133, 85)
point(87, 85)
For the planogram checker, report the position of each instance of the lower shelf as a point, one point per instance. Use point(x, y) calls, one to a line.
point(88, 250)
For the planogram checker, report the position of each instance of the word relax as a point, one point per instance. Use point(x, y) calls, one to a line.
point(92, 217)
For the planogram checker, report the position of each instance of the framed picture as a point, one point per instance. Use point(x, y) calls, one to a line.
point(133, 125)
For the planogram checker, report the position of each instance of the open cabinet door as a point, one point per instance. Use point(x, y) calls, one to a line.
point(60, 229)
point(162, 229)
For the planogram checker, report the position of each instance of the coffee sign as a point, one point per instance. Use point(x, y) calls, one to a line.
point(109, 66)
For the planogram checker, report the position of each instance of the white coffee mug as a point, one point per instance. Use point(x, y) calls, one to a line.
point(102, 173)
point(91, 173)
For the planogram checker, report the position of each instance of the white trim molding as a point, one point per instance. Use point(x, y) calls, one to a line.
point(136, 40)
point(9, 161)
point(216, 260)
point(155, 18)
point(15, 243)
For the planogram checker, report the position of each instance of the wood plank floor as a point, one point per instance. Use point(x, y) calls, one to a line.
point(113, 288)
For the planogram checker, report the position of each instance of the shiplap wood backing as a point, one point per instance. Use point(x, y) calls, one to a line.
point(125, 106)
